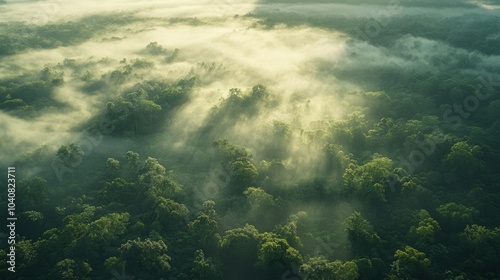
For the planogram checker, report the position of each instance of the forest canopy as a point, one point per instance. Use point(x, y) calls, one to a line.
point(250, 139)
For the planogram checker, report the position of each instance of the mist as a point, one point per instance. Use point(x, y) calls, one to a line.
point(287, 115)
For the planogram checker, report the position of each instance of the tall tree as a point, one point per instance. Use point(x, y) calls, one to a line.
point(410, 264)
point(146, 257)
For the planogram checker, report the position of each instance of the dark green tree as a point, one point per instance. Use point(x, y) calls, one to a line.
point(322, 269)
point(70, 155)
point(239, 252)
point(146, 257)
point(361, 235)
point(205, 268)
point(410, 264)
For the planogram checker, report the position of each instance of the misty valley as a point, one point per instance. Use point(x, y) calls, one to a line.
point(243, 140)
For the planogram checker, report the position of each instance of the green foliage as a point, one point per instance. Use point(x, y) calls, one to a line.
point(276, 140)
point(204, 230)
point(275, 256)
point(113, 167)
point(113, 264)
point(350, 132)
point(259, 199)
point(229, 151)
point(456, 216)
point(154, 48)
point(69, 269)
point(322, 269)
point(425, 179)
point(239, 105)
point(410, 264)
point(70, 155)
point(370, 268)
point(462, 162)
point(336, 159)
point(145, 257)
point(33, 192)
point(133, 162)
point(26, 254)
point(239, 251)
point(289, 231)
point(368, 181)
point(205, 268)
point(361, 234)
point(13, 104)
point(25, 96)
point(120, 191)
point(168, 214)
point(108, 227)
point(53, 35)
point(426, 231)
point(243, 171)
point(483, 246)
point(142, 109)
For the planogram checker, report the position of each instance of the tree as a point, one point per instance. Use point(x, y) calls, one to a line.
point(261, 203)
point(51, 76)
point(379, 103)
point(413, 193)
point(26, 255)
point(70, 155)
point(321, 269)
point(146, 257)
point(243, 172)
point(121, 191)
point(370, 268)
point(361, 235)
point(239, 252)
point(368, 181)
point(205, 268)
point(88, 76)
point(77, 238)
point(462, 163)
point(77, 224)
point(69, 269)
point(154, 48)
point(273, 173)
point(204, 232)
point(456, 216)
point(112, 168)
point(152, 172)
point(277, 145)
point(289, 230)
point(228, 151)
point(147, 112)
point(209, 209)
point(317, 268)
point(410, 264)
point(33, 192)
point(109, 227)
point(336, 160)
point(154, 181)
point(483, 248)
point(347, 270)
point(113, 264)
point(276, 256)
point(14, 104)
point(133, 164)
point(350, 132)
point(31, 222)
point(168, 215)
point(424, 234)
